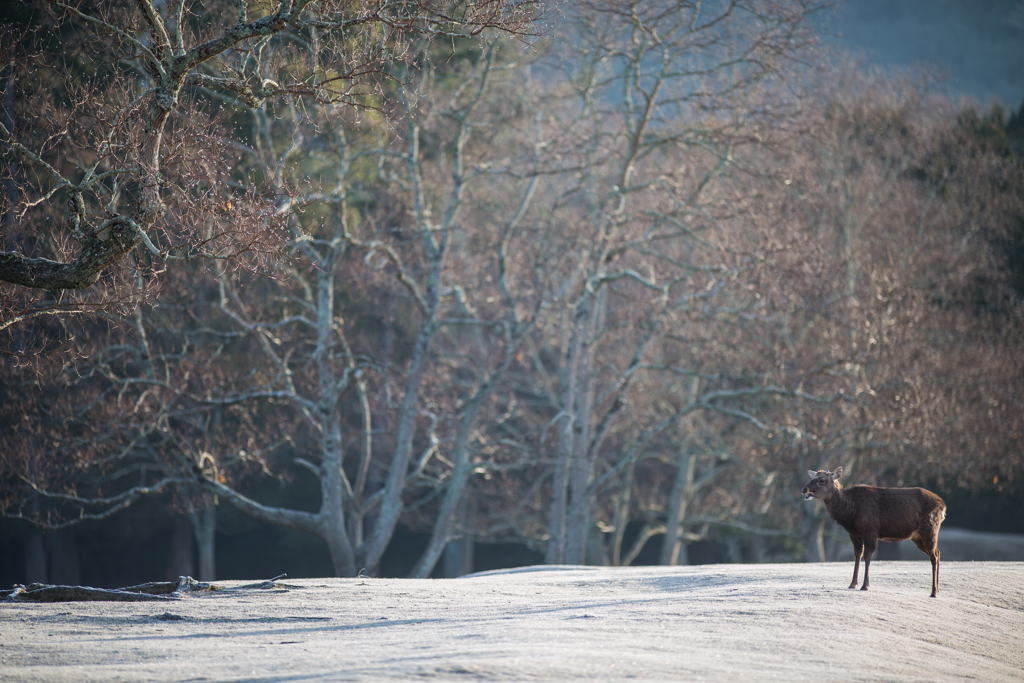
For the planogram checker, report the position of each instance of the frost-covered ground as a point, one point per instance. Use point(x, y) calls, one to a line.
point(792, 622)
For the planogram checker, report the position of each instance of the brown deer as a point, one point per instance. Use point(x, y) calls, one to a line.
point(872, 513)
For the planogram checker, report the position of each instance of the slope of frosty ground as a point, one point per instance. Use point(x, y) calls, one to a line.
point(793, 622)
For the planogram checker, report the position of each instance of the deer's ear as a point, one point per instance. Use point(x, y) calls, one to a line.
point(812, 474)
point(838, 473)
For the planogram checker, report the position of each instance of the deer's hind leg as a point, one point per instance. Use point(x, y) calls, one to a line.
point(870, 543)
point(926, 539)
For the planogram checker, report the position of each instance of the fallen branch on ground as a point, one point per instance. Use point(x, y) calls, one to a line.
point(156, 590)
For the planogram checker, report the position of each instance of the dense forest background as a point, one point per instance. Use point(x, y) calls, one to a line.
point(428, 288)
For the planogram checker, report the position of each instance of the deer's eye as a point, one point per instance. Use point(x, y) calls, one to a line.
point(821, 481)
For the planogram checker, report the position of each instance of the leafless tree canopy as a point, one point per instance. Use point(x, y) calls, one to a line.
point(122, 129)
point(640, 275)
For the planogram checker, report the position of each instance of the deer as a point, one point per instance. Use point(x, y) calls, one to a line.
point(873, 513)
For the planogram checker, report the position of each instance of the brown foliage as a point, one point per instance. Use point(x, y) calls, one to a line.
point(553, 295)
point(121, 131)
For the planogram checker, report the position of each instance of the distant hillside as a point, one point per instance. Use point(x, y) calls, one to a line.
point(980, 42)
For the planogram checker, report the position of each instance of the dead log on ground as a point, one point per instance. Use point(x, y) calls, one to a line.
point(155, 590)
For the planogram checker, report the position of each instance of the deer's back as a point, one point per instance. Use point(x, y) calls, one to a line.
point(894, 513)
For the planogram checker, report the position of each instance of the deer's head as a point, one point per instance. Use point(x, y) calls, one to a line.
point(822, 484)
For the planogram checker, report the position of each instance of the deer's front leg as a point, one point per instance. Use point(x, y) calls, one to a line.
point(858, 550)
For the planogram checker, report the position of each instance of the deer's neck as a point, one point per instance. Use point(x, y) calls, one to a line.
point(839, 505)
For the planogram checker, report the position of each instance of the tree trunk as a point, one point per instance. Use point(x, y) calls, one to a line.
point(555, 553)
point(563, 464)
point(342, 557)
point(622, 513)
point(332, 527)
point(756, 546)
point(355, 516)
point(673, 549)
point(581, 473)
point(733, 550)
point(682, 557)
point(391, 504)
point(454, 500)
point(445, 519)
point(457, 559)
point(594, 553)
point(204, 528)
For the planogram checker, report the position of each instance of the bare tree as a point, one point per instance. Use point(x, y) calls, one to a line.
point(393, 215)
point(881, 204)
point(630, 289)
point(116, 138)
point(663, 101)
